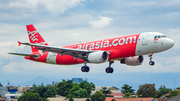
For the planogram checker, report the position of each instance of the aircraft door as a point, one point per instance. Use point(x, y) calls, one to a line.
point(144, 38)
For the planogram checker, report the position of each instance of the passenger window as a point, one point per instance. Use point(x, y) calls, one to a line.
point(159, 36)
point(155, 37)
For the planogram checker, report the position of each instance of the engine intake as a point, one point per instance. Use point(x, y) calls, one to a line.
point(98, 57)
point(133, 61)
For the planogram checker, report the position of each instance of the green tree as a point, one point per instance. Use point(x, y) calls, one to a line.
point(44, 91)
point(178, 88)
point(77, 92)
point(70, 96)
point(73, 90)
point(105, 91)
point(162, 90)
point(81, 93)
point(173, 93)
point(88, 86)
point(98, 96)
point(127, 90)
point(147, 90)
point(0, 96)
point(127, 95)
point(71, 99)
point(30, 96)
point(40, 89)
point(50, 92)
point(62, 88)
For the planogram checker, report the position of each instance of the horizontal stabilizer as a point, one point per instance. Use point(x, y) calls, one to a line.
point(21, 54)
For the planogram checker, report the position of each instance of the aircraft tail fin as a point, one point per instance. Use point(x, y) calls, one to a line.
point(34, 37)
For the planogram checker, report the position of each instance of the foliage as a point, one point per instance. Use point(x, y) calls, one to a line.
point(41, 90)
point(44, 91)
point(105, 91)
point(127, 90)
point(0, 96)
point(71, 99)
point(73, 90)
point(30, 96)
point(127, 95)
point(88, 86)
point(64, 87)
point(178, 88)
point(162, 90)
point(173, 93)
point(81, 90)
point(147, 90)
point(50, 92)
point(70, 96)
point(98, 96)
point(77, 92)
point(81, 93)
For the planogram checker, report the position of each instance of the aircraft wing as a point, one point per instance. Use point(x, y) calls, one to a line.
point(22, 54)
point(63, 51)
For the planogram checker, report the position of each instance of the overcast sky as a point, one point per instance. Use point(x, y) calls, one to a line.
point(64, 22)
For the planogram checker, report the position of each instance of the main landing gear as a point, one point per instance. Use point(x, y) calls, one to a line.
point(151, 63)
point(85, 68)
point(110, 69)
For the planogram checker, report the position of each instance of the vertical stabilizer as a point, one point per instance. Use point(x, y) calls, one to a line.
point(35, 37)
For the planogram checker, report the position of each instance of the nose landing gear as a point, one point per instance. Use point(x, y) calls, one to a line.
point(151, 63)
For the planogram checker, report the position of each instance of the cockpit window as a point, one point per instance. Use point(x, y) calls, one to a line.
point(163, 36)
point(155, 37)
point(159, 36)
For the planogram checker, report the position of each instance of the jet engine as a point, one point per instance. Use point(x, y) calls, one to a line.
point(98, 57)
point(133, 61)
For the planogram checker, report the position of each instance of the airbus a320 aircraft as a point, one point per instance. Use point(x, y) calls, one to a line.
point(128, 50)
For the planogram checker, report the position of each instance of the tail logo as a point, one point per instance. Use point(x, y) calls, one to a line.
point(32, 35)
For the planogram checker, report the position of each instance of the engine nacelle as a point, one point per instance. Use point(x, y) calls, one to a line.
point(98, 57)
point(133, 61)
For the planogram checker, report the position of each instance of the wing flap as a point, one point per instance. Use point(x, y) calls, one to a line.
point(22, 54)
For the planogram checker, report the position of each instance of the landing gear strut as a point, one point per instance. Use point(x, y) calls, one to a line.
point(85, 68)
point(110, 69)
point(151, 63)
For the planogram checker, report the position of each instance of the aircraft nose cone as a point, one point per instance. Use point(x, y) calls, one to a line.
point(170, 43)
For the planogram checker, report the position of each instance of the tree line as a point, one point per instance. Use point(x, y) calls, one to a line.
point(149, 90)
point(72, 90)
point(65, 88)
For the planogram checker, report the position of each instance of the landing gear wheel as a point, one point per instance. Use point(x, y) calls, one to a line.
point(85, 69)
point(151, 63)
point(109, 70)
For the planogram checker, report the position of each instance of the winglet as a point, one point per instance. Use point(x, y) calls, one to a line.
point(19, 43)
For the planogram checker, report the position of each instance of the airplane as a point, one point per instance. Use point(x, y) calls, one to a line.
point(128, 50)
